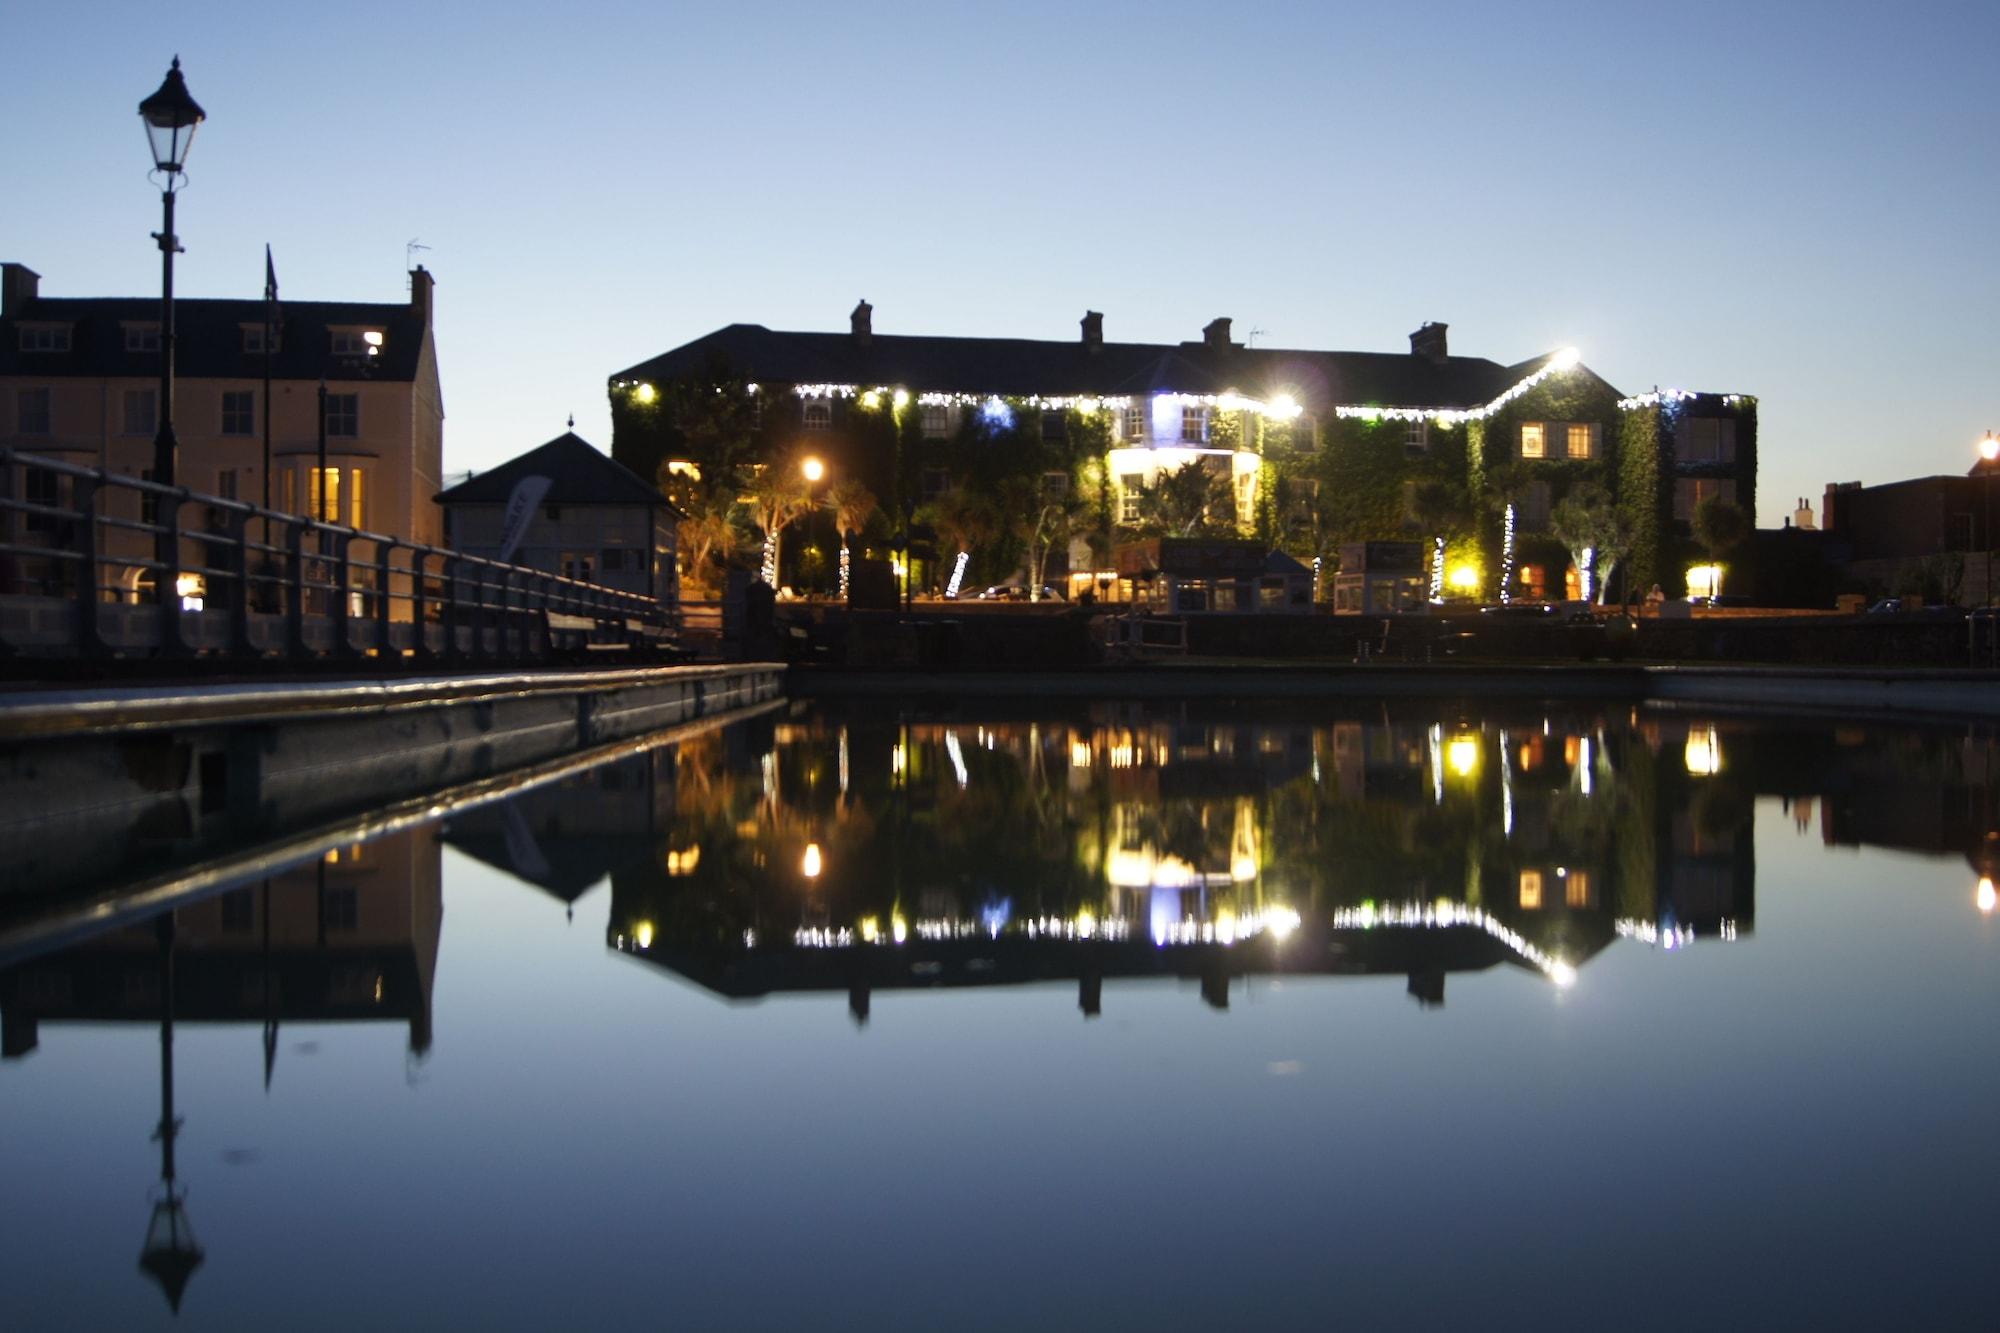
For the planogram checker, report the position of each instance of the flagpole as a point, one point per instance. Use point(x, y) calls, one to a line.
point(270, 298)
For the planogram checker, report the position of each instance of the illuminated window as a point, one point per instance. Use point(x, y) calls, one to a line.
point(1129, 487)
point(45, 337)
point(1135, 423)
point(1583, 439)
point(323, 493)
point(142, 337)
point(357, 492)
point(237, 411)
point(357, 342)
point(1417, 438)
point(343, 414)
point(819, 415)
point(1576, 888)
point(1194, 425)
point(31, 411)
point(1531, 890)
point(1534, 440)
point(141, 416)
point(937, 421)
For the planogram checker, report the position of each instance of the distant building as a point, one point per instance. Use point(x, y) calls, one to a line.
point(79, 382)
point(586, 518)
point(1921, 530)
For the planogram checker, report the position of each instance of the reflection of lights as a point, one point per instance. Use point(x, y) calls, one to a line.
point(1563, 975)
point(810, 863)
point(1441, 914)
point(191, 588)
point(683, 863)
point(1704, 752)
point(1086, 924)
point(957, 756)
point(1463, 755)
point(899, 929)
point(1079, 754)
point(642, 934)
point(1667, 935)
point(1985, 897)
point(871, 929)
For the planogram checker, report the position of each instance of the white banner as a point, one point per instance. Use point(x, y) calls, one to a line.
point(528, 493)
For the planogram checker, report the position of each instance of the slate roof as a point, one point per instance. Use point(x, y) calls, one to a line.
point(208, 339)
point(1023, 366)
point(578, 472)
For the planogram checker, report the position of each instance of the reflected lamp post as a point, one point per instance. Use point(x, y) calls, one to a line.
point(171, 117)
point(1989, 453)
point(171, 1253)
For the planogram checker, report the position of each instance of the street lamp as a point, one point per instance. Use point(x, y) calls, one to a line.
point(814, 472)
point(1989, 450)
point(171, 117)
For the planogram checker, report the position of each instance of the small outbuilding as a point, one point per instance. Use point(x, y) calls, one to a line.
point(568, 509)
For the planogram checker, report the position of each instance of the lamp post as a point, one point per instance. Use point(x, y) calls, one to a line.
point(814, 472)
point(1989, 452)
point(171, 117)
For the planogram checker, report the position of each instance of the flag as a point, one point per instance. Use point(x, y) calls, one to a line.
point(528, 493)
point(273, 313)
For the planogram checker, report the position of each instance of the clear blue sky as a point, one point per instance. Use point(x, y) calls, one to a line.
point(1796, 200)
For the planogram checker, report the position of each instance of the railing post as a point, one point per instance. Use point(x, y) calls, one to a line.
point(343, 594)
point(166, 581)
point(383, 551)
point(295, 591)
point(88, 496)
point(239, 609)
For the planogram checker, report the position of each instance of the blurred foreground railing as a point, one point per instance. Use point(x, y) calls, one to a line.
point(93, 564)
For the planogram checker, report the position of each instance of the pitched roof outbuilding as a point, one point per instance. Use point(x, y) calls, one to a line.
point(578, 472)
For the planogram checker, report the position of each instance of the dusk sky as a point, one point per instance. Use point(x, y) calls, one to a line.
point(1795, 200)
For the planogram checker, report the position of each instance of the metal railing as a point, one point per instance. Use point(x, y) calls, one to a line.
point(94, 564)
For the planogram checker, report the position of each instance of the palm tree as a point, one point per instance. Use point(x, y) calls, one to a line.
point(777, 496)
point(1720, 526)
point(853, 505)
point(965, 522)
point(1438, 508)
point(1595, 532)
point(1505, 484)
point(1183, 502)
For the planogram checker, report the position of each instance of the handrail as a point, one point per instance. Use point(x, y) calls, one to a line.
point(324, 588)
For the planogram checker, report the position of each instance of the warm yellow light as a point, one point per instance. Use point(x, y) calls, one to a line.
point(1285, 407)
point(871, 929)
point(1464, 577)
point(872, 399)
point(1566, 359)
point(372, 338)
point(1086, 406)
point(645, 393)
point(902, 398)
point(1086, 924)
point(642, 934)
point(812, 469)
point(1703, 753)
point(1704, 580)
point(1989, 447)
point(1985, 896)
point(1463, 755)
point(1563, 975)
point(899, 929)
point(1281, 921)
point(810, 863)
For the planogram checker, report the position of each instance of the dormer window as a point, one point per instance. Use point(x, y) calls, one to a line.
point(357, 342)
point(142, 337)
point(253, 339)
point(44, 337)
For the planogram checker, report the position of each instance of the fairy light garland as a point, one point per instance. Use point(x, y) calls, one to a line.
point(1566, 359)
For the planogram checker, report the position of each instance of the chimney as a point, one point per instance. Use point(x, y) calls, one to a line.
point(1216, 333)
point(859, 322)
point(19, 285)
point(1093, 330)
point(1428, 342)
point(420, 294)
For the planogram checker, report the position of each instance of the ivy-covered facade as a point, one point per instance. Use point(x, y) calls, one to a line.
point(1306, 450)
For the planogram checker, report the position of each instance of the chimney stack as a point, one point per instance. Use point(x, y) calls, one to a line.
point(859, 322)
point(1216, 333)
point(1093, 330)
point(1428, 342)
point(19, 285)
point(420, 293)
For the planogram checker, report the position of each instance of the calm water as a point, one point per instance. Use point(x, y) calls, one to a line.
point(1064, 1016)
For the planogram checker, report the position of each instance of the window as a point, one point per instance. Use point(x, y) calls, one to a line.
point(936, 482)
point(142, 337)
point(1129, 487)
point(149, 503)
point(343, 414)
point(1531, 890)
point(612, 560)
point(1689, 492)
point(1194, 425)
point(1246, 499)
point(1582, 438)
point(1055, 426)
point(1708, 440)
point(140, 415)
point(819, 415)
point(576, 565)
point(1534, 440)
point(31, 411)
point(357, 342)
point(937, 421)
point(1055, 485)
point(1532, 513)
point(323, 493)
point(1417, 438)
point(1576, 889)
point(1135, 423)
point(237, 411)
point(45, 337)
point(253, 338)
point(357, 510)
point(289, 500)
point(225, 483)
point(41, 487)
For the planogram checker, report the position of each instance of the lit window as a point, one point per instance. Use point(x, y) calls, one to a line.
point(45, 337)
point(323, 493)
point(1531, 890)
point(142, 337)
point(356, 342)
point(141, 418)
point(1534, 439)
point(343, 414)
point(1417, 438)
point(1583, 439)
point(1576, 889)
point(237, 411)
point(819, 415)
point(1194, 425)
point(1129, 487)
point(937, 421)
point(357, 512)
point(31, 411)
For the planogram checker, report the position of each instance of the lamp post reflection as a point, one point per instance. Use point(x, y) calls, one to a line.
point(171, 1252)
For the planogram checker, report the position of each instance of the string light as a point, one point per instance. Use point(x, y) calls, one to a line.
point(1676, 396)
point(958, 574)
point(1559, 362)
point(1507, 556)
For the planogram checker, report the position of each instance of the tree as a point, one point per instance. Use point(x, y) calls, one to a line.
point(1185, 502)
point(1720, 526)
point(1506, 483)
point(1439, 509)
point(777, 496)
point(853, 506)
point(1044, 519)
point(1596, 535)
point(708, 533)
point(964, 522)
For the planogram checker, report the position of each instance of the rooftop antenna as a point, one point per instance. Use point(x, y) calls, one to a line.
point(1253, 335)
point(410, 248)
